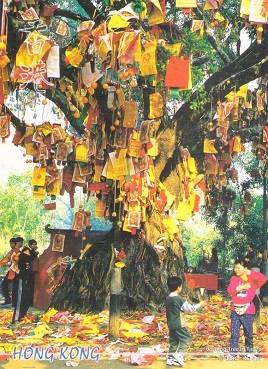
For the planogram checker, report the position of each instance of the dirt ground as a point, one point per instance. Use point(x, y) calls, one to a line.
point(192, 362)
point(116, 364)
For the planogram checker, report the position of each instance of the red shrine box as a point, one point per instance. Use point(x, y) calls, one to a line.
point(72, 245)
point(207, 281)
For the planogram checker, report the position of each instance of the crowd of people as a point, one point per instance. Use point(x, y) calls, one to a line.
point(18, 283)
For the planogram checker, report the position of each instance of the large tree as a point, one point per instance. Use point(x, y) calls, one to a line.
point(123, 67)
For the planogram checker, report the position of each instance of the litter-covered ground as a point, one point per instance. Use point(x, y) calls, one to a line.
point(74, 338)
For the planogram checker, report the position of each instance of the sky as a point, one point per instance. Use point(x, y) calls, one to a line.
point(11, 158)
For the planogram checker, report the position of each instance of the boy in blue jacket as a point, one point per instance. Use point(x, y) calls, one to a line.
point(180, 338)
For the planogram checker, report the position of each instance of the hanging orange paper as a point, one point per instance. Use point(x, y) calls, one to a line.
point(178, 73)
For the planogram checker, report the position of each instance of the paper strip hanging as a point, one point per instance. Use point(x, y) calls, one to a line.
point(186, 3)
point(178, 73)
point(53, 63)
point(100, 208)
point(157, 12)
point(256, 14)
point(58, 242)
point(39, 176)
point(148, 59)
point(130, 114)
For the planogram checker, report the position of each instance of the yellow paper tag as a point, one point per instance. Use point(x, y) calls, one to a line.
point(81, 152)
point(148, 59)
point(186, 3)
point(156, 16)
point(39, 176)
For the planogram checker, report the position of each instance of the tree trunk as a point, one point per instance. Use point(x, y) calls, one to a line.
point(144, 275)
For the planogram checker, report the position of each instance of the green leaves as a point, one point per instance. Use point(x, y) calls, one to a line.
point(138, 6)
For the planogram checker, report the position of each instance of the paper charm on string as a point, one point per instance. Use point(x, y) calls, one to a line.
point(77, 177)
point(156, 105)
point(148, 59)
point(156, 12)
point(39, 176)
point(134, 145)
point(134, 218)
point(130, 114)
point(63, 29)
point(198, 26)
point(58, 242)
point(29, 15)
point(145, 131)
point(62, 32)
point(178, 73)
point(4, 127)
point(186, 4)
point(31, 58)
point(62, 151)
point(128, 45)
point(100, 208)
point(81, 220)
point(120, 137)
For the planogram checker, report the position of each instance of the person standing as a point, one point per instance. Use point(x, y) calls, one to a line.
point(34, 267)
point(252, 262)
point(242, 288)
point(263, 260)
point(186, 266)
point(251, 258)
point(213, 264)
point(179, 337)
point(6, 261)
point(24, 282)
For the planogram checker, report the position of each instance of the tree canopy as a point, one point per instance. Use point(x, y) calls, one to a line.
point(156, 102)
point(110, 54)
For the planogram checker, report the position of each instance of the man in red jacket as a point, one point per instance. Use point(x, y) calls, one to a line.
point(242, 288)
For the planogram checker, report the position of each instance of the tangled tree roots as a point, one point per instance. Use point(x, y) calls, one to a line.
point(85, 287)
